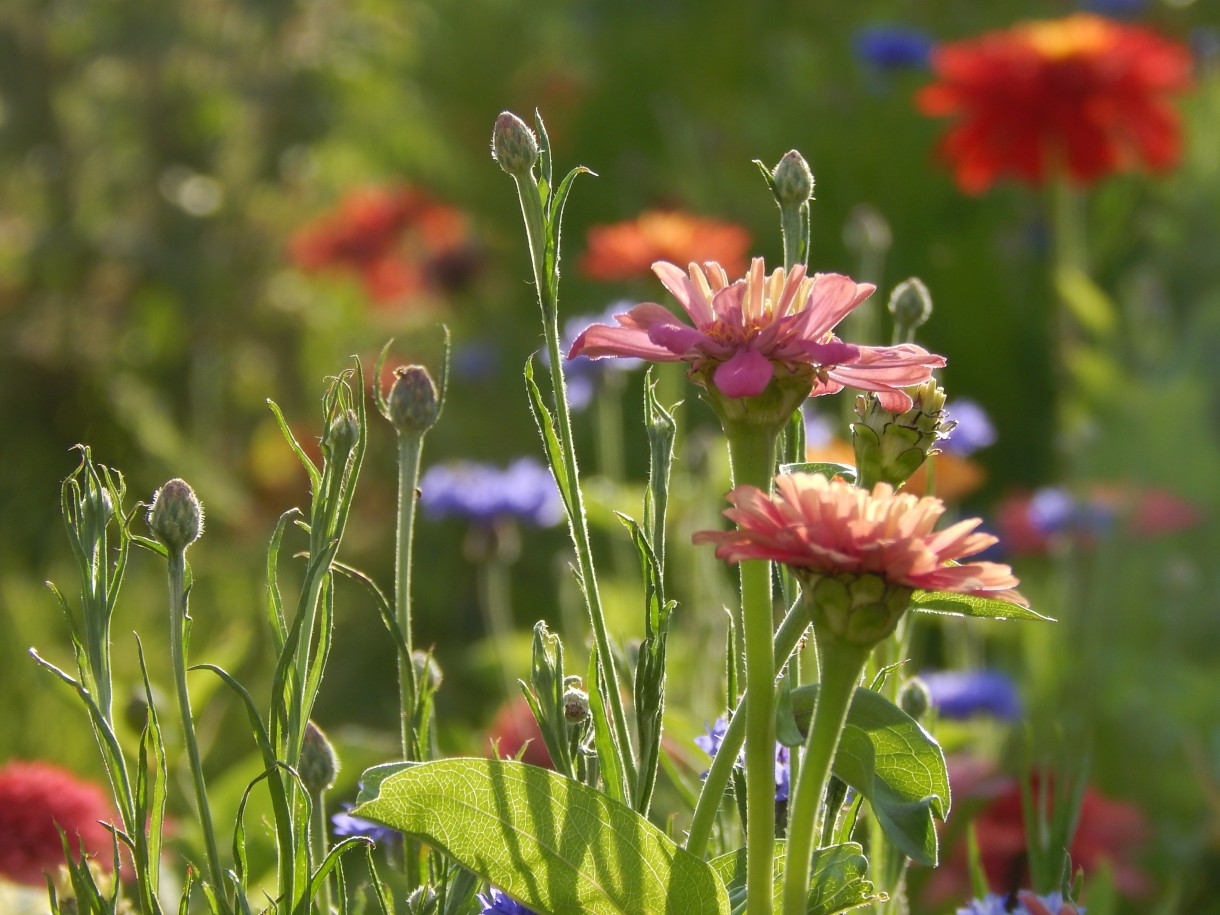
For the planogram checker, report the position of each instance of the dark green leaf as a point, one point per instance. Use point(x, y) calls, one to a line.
point(839, 880)
point(550, 440)
point(988, 608)
point(550, 842)
point(887, 757)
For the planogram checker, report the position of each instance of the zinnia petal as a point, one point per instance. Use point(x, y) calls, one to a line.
point(746, 374)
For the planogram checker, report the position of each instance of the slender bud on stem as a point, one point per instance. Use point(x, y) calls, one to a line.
point(575, 705)
point(914, 698)
point(911, 306)
point(319, 764)
point(175, 516)
point(793, 180)
point(513, 145)
point(414, 403)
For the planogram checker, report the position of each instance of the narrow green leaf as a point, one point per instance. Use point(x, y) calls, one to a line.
point(890, 759)
point(315, 477)
point(550, 440)
point(839, 879)
point(552, 843)
point(608, 752)
point(953, 604)
point(305, 906)
point(828, 469)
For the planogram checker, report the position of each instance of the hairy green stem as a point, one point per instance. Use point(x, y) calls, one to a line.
point(717, 780)
point(178, 646)
point(410, 448)
point(841, 667)
point(536, 229)
point(752, 457)
point(317, 830)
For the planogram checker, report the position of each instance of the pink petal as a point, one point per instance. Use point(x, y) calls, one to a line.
point(832, 297)
point(600, 340)
point(747, 374)
point(683, 340)
point(834, 352)
point(689, 296)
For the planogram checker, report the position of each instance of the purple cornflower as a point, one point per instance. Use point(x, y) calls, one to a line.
point(344, 824)
point(1025, 903)
point(482, 493)
point(973, 430)
point(496, 903)
point(1114, 7)
point(1053, 510)
point(710, 743)
point(893, 47)
point(959, 694)
point(581, 373)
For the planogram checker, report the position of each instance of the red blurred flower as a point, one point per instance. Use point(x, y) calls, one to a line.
point(515, 727)
point(1109, 832)
point(1083, 93)
point(627, 250)
point(36, 797)
point(397, 239)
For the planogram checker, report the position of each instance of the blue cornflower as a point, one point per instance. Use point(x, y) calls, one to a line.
point(959, 694)
point(344, 824)
point(1025, 904)
point(973, 429)
point(710, 743)
point(1053, 510)
point(894, 47)
point(496, 903)
point(483, 493)
point(581, 373)
point(1114, 7)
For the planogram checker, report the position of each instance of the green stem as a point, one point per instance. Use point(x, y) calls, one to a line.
point(410, 448)
point(495, 599)
point(794, 227)
point(536, 233)
point(177, 646)
point(717, 781)
point(317, 829)
point(752, 458)
point(841, 666)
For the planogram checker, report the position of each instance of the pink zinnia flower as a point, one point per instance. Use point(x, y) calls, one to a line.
point(746, 332)
point(35, 798)
point(834, 528)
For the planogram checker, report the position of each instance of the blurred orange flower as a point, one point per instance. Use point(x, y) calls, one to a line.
point(627, 250)
point(1083, 93)
point(397, 239)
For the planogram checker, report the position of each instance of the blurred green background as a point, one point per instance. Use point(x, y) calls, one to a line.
point(157, 159)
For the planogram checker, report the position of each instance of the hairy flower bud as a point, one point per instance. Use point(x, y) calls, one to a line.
point(575, 704)
point(319, 764)
point(175, 516)
point(911, 305)
point(513, 145)
point(342, 435)
point(890, 446)
point(793, 181)
point(413, 404)
point(914, 698)
point(858, 610)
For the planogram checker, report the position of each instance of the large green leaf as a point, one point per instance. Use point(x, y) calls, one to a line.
point(554, 844)
point(886, 756)
point(839, 880)
point(969, 605)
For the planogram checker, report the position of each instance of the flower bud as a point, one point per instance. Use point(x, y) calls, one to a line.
point(575, 705)
point(427, 672)
point(423, 901)
point(891, 446)
point(342, 435)
point(911, 305)
point(859, 610)
point(413, 404)
point(513, 145)
point(175, 516)
point(96, 510)
point(319, 764)
point(914, 698)
point(793, 181)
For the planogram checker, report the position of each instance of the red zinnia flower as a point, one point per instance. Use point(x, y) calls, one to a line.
point(627, 250)
point(835, 528)
point(1084, 93)
point(397, 239)
point(759, 327)
point(34, 799)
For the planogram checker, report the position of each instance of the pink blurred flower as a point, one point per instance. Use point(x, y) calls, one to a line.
point(747, 331)
point(35, 798)
point(835, 528)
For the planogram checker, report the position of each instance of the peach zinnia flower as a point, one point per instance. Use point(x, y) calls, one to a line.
point(627, 250)
point(1083, 93)
point(748, 331)
point(834, 528)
